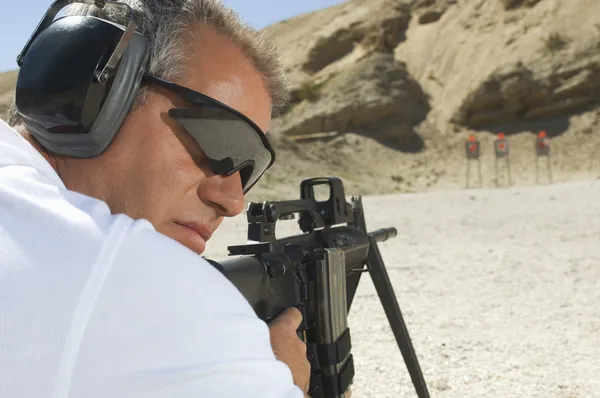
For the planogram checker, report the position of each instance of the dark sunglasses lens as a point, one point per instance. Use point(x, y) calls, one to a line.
point(229, 142)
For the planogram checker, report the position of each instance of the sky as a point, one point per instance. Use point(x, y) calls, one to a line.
point(22, 16)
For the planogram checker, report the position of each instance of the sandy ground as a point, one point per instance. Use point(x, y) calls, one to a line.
point(499, 289)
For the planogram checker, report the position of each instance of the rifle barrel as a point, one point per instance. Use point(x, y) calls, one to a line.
point(383, 234)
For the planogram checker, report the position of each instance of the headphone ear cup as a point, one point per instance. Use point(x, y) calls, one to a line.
point(62, 103)
point(120, 97)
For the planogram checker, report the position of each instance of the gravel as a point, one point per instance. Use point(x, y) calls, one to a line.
point(500, 290)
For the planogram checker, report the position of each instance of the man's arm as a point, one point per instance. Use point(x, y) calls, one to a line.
point(167, 324)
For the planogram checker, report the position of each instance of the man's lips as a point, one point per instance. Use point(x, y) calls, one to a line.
point(203, 230)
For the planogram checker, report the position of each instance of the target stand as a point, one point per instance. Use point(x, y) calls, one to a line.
point(542, 151)
point(473, 154)
point(501, 150)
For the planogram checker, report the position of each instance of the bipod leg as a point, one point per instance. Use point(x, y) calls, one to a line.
point(480, 175)
point(549, 163)
point(385, 291)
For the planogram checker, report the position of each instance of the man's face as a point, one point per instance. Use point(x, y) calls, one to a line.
point(155, 170)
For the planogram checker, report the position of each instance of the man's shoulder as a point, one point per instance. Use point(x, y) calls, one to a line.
point(35, 211)
point(141, 248)
point(167, 319)
point(161, 269)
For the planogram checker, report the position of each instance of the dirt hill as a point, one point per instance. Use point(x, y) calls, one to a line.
point(385, 92)
point(400, 85)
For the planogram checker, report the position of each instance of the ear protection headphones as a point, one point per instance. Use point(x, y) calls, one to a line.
point(78, 78)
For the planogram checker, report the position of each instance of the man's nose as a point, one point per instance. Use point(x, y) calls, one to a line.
point(225, 194)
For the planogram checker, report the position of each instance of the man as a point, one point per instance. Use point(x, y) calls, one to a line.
point(102, 291)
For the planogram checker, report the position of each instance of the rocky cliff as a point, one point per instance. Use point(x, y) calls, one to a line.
point(497, 62)
point(345, 77)
point(459, 67)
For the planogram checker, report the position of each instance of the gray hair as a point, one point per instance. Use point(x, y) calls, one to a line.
point(165, 24)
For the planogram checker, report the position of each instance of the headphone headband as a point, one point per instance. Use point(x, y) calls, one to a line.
point(114, 59)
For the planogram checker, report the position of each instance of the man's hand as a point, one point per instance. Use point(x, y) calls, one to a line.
point(288, 348)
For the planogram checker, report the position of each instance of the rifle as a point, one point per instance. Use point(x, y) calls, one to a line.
point(318, 272)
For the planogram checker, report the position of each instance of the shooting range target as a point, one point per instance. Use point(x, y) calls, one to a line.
point(473, 150)
point(501, 148)
point(542, 146)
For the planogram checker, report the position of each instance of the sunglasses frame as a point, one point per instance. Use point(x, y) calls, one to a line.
point(198, 99)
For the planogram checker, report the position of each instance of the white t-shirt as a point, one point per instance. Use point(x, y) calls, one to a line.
point(100, 305)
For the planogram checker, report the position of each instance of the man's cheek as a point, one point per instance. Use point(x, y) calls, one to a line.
point(176, 172)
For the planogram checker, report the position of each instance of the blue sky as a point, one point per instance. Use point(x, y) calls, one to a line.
point(17, 24)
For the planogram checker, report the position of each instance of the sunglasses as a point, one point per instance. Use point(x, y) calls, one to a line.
point(230, 140)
